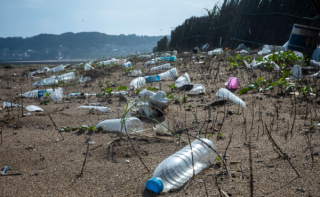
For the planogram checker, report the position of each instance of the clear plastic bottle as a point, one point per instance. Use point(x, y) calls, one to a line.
point(177, 169)
point(150, 79)
point(137, 83)
point(55, 95)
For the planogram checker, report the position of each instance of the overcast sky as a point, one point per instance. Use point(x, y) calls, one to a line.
point(27, 18)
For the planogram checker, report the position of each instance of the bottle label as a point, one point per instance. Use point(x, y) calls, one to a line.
point(42, 93)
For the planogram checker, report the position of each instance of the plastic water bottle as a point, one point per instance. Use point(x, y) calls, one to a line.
point(137, 83)
point(174, 171)
point(150, 79)
point(55, 95)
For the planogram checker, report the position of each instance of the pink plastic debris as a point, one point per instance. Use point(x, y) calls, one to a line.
point(232, 83)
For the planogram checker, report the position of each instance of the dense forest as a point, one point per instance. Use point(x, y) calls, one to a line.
point(75, 45)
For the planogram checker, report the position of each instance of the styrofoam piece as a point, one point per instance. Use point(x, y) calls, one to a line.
point(169, 75)
point(130, 125)
point(57, 69)
point(87, 66)
point(33, 108)
point(137, 83)
point(55, 95)
point(135, 73)
point(7, 104)
point(197, 89)
point(224, 93)
point(217, 51)
point(315, 63)
point(102, 109)
point(296, 72)
point(55, 79)
point(164, 66)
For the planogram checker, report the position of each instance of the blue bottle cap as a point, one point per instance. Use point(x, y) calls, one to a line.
point(155, 184)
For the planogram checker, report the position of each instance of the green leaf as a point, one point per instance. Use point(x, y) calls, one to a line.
point(122, 88)
point(251, 86)
point(243, 90)
point(274, 84)
point(281, 79)
point(100, 94)
point(148, 87)
point(259, 79)
point(153, 89)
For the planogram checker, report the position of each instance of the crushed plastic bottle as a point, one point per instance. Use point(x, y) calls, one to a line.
point(183, 80)
point(137, 83)
point(169, 75)
point(57, 69)
point(132, 125)
point(55, 79)
point(177, 169)
point(135, 73)
point(127, 64)
point(164, 66)
point(150, 79)
point(217, 51)
point(197, 89)
point(102, 109)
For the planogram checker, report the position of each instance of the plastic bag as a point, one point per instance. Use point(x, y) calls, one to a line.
point(197, 89)
point(88, 67)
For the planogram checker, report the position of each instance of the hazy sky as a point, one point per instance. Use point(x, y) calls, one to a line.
point(142, 17)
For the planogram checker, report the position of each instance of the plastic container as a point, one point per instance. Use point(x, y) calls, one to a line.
point(127, 64)
point(55, 79)
point(304, 39)
point(135, 73)
point(217, 51)
point(87, 66)
point(33, 108)
point(149, 63)
point(41, 70)
point(161, 129)
point(224, 93)
point(164, 66)
point(55, 95)
point(102, 109)
point(169, 75)
point(183, 80)
point(232, 83)
point(7, 104)
point(132, 125)
point(137, 83)
point(296, 72)
point(150, 79)
point(177, 169)
point(197, 89)
point(314, 63)
point(57, 69)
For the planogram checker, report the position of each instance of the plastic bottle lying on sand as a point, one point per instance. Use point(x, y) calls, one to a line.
point(224, 93)
point(132, 125)
point(197, 89)
point(150, 79)
point(55, 95)
point(169, 75)
point(164, 66)
point(137, 83)
point(135, 73)
point(102, 109)
point(174, 171)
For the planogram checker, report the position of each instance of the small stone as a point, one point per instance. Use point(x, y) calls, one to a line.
point(270, 166)
point(259, 161)
point(219, 123)
point(34, 174)
point(209, 120)
point(316, 153)
point(301, 189)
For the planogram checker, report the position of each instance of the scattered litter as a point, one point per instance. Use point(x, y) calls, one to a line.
point(150, 79)
point(84, 79)
point(161, 129)
point(7, 104)
point(223, 94)
point(55, 79)
point(296, 72)
point(181, 170)
point(314, 63)
point(135, 73)
point(55, 95)
point(169, 75)
point(91, 142)
point(183, 80)
point(149, 63)
point(41, 70)
point(161, 67)
point(131, 125)
point(33, 108)
point(217, 51)
point(57, 69)
point(137, 83)
point(102, 109)
point(127, 161)
point(232, 83)
point(127, 64)
point(27, 114)
point(4, 170)
point(119, 93)
point(87, 66)
point(197, 89)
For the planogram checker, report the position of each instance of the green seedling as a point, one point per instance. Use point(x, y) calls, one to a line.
point(185, 98)
point(172, 86)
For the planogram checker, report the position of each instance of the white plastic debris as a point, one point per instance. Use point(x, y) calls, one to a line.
point(130, 125)
point(33, 108)
point(183, 80)
point(197, 89)
point(217, 51)
point(135, 73)
point(84, 79)
point(137, 83)
point(41, 70)
point(169, 75)
point(112, 62)
point(7, 104)
point(224, 93)
point(314, 63)
point(265, 50)
point(151, 101)
point(119, 93)
point(149, 63)
point(55, 79)
point(55, 95)
point(296, 72)
point(102, 109)
point(87, 66)
point(57, 69)
point(164, 66)
point(161, 129)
